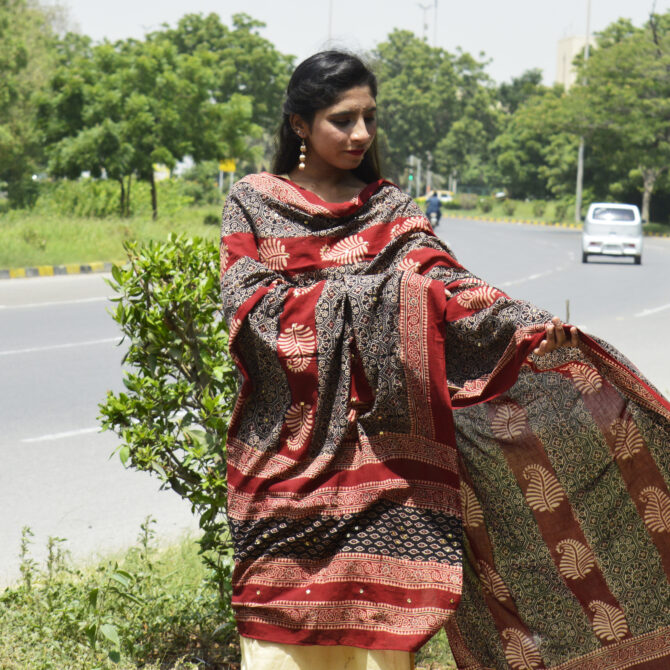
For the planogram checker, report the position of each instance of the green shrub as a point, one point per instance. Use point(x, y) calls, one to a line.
point(200, 194)
point(100, 198)
point(180, 383)
point(96, 198)
point(468, 200)
point(148, 608)
point(539, 207)
point(485, 204)
point(509, 207)
point(560, 210)
point(211, 219)
point(201, 181)
point(451, 204)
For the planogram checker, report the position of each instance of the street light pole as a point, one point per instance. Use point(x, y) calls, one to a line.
point(435, 25)
point(425, 9)
point(580, 155)
point(330, 23)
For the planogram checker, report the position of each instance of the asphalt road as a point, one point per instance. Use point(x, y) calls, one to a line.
point(59, 356)
point(626, 304)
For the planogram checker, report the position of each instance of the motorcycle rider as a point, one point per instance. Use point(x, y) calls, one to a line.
point(433, 207)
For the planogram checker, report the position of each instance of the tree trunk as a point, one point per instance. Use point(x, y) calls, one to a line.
point(154, 202)
point(649, 178)
point(122, 204)
point(127, 212)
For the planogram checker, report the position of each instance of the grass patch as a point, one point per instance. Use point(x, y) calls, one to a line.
point(147, 609)
point(30, 239)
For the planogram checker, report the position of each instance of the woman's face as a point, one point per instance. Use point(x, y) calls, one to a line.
point(341, 133)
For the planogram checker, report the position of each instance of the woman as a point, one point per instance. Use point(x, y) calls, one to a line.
point(390, 399)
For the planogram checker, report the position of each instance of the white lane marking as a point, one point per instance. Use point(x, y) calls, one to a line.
point(537, 275)
point(52, 347)
point(60, 436)
point(653, 310)
point(56, 303)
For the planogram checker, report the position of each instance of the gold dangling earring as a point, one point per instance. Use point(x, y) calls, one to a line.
point(301, 158)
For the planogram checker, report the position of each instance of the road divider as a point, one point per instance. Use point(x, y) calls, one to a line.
point(534, 222)
point(53, 270)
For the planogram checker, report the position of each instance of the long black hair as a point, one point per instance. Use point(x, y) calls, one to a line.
point(317, 83)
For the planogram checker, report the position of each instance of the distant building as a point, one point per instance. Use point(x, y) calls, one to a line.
point(568, 48)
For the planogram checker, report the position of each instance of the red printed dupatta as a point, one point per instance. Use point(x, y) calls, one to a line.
point(355, 332)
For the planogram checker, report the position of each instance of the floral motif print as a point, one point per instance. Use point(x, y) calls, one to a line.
point(627, 438)
point(300, 422)
point(657, 509)
point(298, 344)
point(349, 250)
point(577, 560)
point(478, 298)
point(609, 622)
point(411, 224)
point(509, 422)
point(520, 651)
point(273, 253)
point(473, 515)
point(544, 493)
point(586, 378)
point(407, 264)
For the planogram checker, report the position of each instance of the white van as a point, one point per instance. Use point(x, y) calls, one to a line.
point(611, 229)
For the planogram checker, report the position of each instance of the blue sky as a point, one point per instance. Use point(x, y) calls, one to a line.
point(516, 34)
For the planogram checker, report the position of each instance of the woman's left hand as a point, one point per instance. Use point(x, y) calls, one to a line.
point(555, 337)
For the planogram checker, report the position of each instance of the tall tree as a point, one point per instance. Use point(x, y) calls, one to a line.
point(27, 57)
point(528, 150)
point(125, 107)
point(520, 89)
point(435, 105)
point(624, 101)
point(464, 151)
point(418, 97)
point(243, 61)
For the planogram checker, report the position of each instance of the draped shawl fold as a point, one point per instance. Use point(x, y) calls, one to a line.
point(397, 448)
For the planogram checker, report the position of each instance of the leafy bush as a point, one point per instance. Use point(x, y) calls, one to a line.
point(211, 219)
point(151, 609)
point(509, 207)
point(180, 382)
point(100, 198)
point(451, 204)
point(201, 183)
point(468, 200)
point(560, 210)
point(485, 204)
point(96, 198)
point(539, 207)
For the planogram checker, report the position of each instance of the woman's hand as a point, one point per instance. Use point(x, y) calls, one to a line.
point(555, 337)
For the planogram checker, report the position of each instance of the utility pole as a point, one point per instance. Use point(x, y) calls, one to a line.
point(425, 9)
point(330, 22)
point(580, 155)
